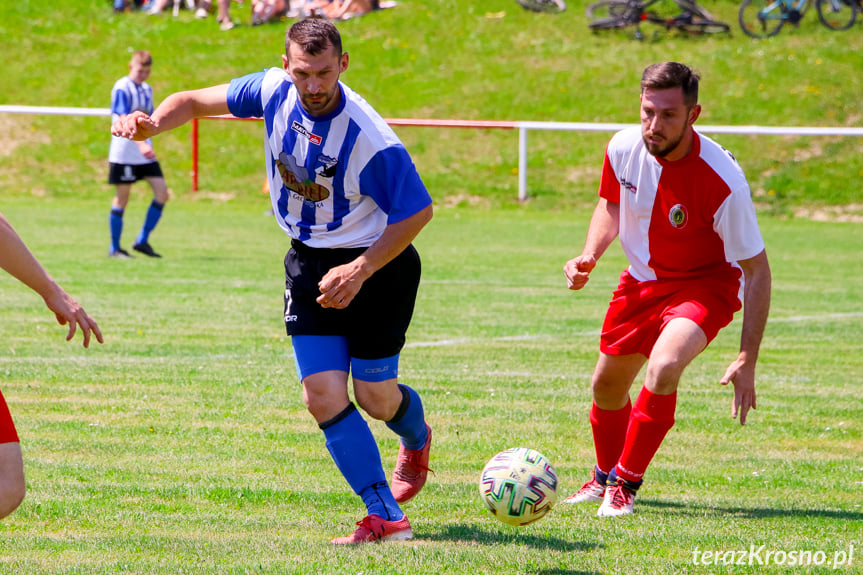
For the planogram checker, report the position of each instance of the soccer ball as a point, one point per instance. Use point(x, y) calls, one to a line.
point(519, 486)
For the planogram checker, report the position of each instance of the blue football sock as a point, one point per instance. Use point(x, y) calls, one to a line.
point(409, 421)
point(115, 220)
point(353, 448)
point(154, 212)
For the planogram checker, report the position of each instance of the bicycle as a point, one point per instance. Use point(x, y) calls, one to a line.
point(619, 14)
point(838, 14)
point(765, 18)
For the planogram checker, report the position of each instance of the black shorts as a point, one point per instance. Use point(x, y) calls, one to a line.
point(131, 173)
point(375, 322)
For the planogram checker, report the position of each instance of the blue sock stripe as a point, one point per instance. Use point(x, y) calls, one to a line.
point(411, 426)
point(356, 454)
point(154, 213)
point(115, 222)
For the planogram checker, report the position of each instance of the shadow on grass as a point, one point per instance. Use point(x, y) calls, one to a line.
point(496, 537)
point(752, 512)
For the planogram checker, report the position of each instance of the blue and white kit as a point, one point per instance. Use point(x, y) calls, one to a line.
point(336, 181)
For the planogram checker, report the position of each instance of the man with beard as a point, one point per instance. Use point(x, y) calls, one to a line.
point(682, 208)
point(345, 190)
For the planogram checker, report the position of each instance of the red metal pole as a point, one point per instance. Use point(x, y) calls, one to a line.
point(195, 154)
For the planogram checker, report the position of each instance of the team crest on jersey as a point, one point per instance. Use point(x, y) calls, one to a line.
point(303, 131)
point(678, 216)
point(326, 166)
point(296, 178)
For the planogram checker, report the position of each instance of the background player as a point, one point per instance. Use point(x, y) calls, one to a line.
point(16, 259)
point(682, 208)
point(132, 161)
point(345, 190)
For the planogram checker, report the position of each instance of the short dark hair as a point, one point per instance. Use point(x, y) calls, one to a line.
point(314, 35)
point(142, 57)
point(672, 75)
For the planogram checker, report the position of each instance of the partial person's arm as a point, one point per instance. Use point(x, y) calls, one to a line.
point(174, 111)
point(342, 283)
point(756, 306)
point(16, 259)
point(604, 227)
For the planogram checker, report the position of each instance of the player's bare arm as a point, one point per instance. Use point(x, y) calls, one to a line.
point(341, 284)
point(604, 226)
point(16, 259)
point(174, 111)
point(756, 306)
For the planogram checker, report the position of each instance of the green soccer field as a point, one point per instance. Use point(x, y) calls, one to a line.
point(181, 445)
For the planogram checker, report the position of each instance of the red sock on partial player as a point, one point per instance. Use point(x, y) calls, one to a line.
point(652, 418)
point(609, 433)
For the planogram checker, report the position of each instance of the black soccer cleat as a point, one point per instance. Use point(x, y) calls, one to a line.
point(146, 249)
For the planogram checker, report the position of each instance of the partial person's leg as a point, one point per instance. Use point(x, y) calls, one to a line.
point(115, 220)
point(224, 14)
point(609, 418)
point(348, 437)
point(154, 214)
point(401, 408)
point(680, 341)
point(653, 413)
point(12, 485)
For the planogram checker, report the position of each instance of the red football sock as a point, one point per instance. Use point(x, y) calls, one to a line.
point(652, 418)
point(609, 432)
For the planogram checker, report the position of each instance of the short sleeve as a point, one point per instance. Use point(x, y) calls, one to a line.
point(391, 179)
point(609, 184)
point(244, 96)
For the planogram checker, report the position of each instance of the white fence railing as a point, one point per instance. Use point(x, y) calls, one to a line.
point(522, 127)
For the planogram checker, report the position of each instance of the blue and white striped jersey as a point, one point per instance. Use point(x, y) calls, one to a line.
point(336, 181)
point(128, 97)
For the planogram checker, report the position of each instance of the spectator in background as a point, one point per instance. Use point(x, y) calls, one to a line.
point(16, 259)
point(223, 16)
point(132, 161)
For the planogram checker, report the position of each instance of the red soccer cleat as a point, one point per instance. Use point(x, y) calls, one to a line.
point(374, 528)
point(411, 471)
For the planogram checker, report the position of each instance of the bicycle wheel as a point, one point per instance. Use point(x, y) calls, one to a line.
point(610, 23)
point(605, 9)
point(694, 9)
point(761, 18)
point(705, 27)
point(553, 6)
point(836, 14)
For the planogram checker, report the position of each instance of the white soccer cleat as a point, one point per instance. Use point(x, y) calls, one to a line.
point(617, 501)
point(593, 490)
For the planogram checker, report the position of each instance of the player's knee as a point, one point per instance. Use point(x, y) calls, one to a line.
point(663, 374)
point(12, 492)
point(609, 392)
point(380, 400)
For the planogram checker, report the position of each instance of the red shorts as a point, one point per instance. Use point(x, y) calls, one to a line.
point(639, 311)
point(7, 427)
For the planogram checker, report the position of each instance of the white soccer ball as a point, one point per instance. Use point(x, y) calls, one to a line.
point(519, 486)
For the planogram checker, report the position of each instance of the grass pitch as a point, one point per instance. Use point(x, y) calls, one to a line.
point(181, 445)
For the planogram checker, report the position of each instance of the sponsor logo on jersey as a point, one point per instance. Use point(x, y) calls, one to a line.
point(296, 178)
point(303, 131)
point(630, 187)
point(678, 216)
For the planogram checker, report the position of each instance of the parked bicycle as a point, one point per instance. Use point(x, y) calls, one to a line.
point(764, 18)
point(619, 14)
point(838, 14)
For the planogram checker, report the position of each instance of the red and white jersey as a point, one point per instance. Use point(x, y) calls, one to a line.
point(686, 219)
